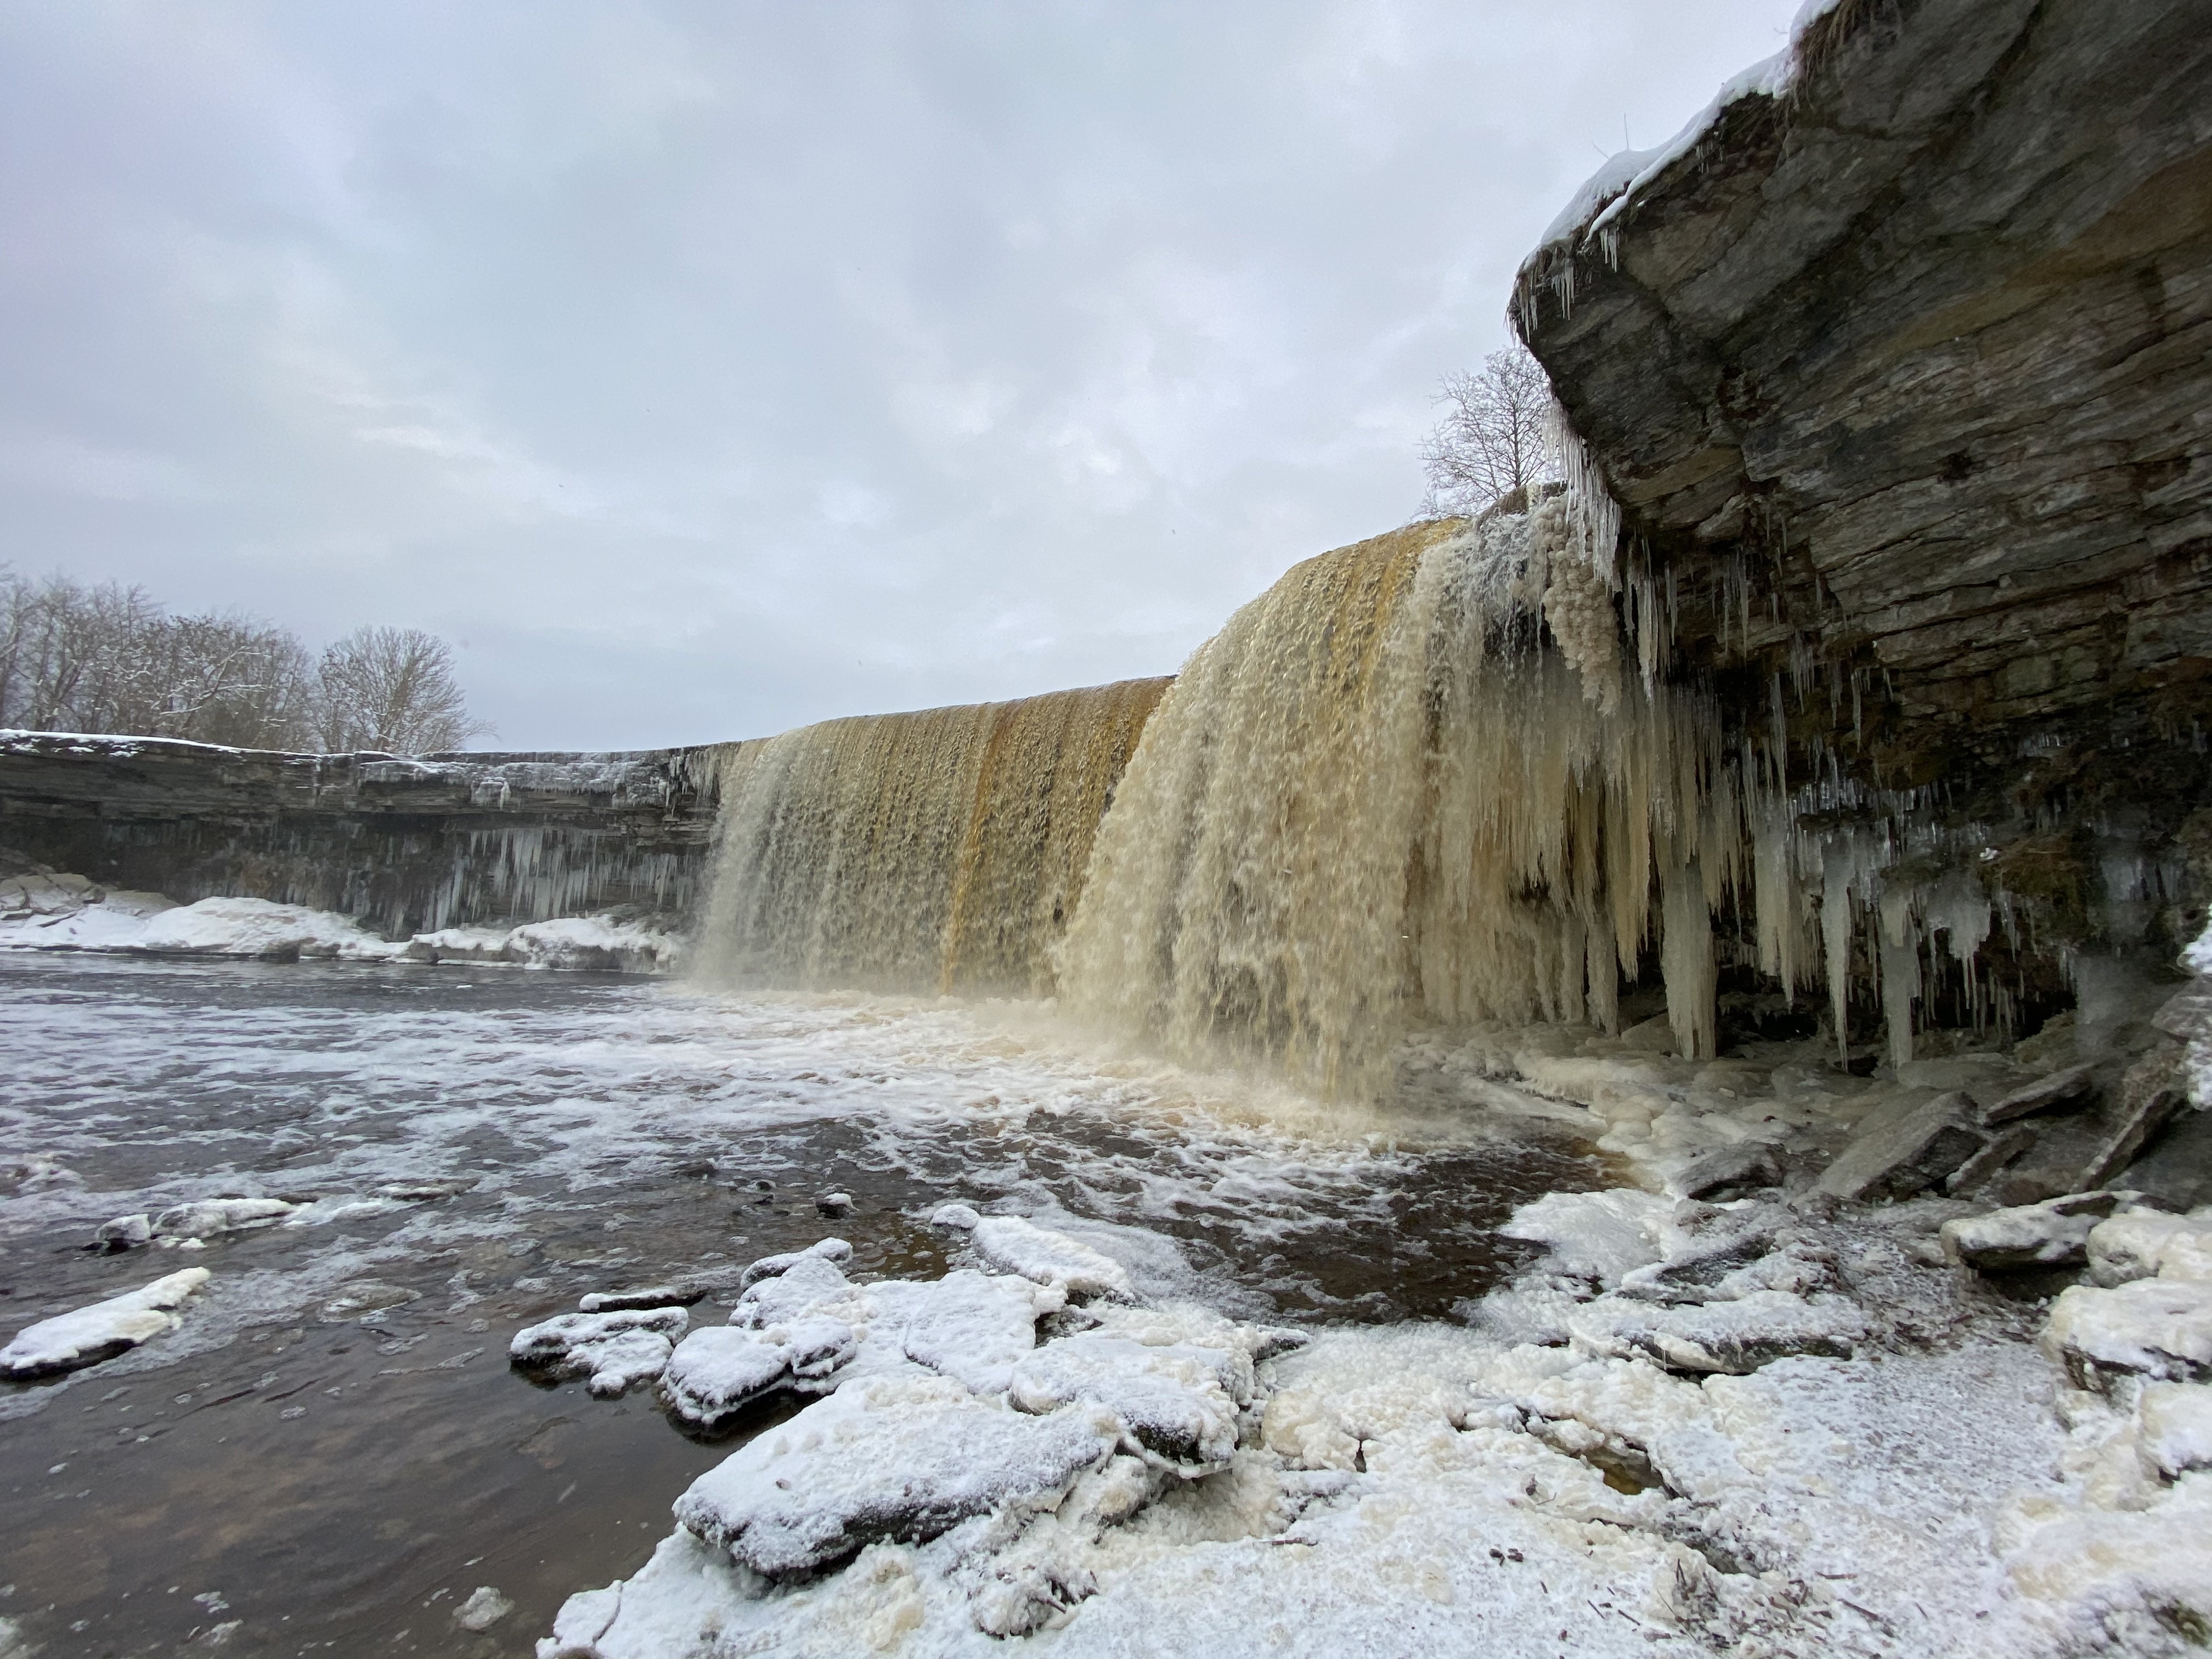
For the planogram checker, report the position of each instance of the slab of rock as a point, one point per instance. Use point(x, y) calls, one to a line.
point(1731, 1171)
point(2004, 1146)
point(2151, 1330)
point(716, 1373)
point(2146, 1244)
point(899, 1459)
point(1040, 1253)
point(1906, 1154)
point(615, 1351)
point(2154, 1088)
point(2075, 1087)
point(86, 1336)
point(2052, 1234)
point(1175, 1403)
point(210, 1216)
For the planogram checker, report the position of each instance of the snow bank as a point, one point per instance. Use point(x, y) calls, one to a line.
point(47, 912)
point(73, 1341)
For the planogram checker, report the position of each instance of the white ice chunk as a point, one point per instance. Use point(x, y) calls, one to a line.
point(258, 927)
point(898, 1459)
point(86, 1336)
point(806, 1282)
point(1038, 1253)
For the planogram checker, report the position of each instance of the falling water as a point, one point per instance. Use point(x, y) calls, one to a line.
point(1375, 800)
point(943, 850)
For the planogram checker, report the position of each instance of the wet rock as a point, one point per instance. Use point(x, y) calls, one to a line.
point(219, 1215)
point(368, 1295)
point(125, 1232)
point(87, 1336)
point(1907, 1153)
point(1732, 1171)
point(900, 1460)
point(2059, 1091)
point(615, 1351)
point(1039, 1254)
point(2152, 1330)
point(1175, 1403)
point(423, 1192)
point(656, 1296)
point(2052, 1234)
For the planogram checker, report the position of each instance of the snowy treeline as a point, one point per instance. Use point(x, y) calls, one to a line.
point(74, 658)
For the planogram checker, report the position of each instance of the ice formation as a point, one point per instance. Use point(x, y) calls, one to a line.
point(86, 1336)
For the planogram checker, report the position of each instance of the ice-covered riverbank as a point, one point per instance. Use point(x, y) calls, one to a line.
point(44, 910)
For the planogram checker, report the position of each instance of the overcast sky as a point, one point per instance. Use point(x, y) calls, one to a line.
point(700, 370)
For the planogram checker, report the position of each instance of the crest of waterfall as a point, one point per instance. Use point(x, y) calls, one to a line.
point(1375, 800)
point(939, 851)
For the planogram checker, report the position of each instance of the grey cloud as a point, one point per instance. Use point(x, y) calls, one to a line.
point(711, 368)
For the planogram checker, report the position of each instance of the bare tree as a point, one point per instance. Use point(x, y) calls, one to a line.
point(1491, 441)
point(393, 690)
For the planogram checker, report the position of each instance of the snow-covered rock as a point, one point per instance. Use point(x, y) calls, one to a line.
point(2174, 1428)
point(896, 1460)
point(1039, 1254)
point(769, 1267)
point(2149, 1328)
point(717, 1371)
point(2143, 1243)
point(655, 1295)
point(2054, 1233)
point(593, 942)
point(259, 927)
point(617, 1351)
point(87, 1335)
point(207, 1217)
point(125, 1232)
point(972, 1327)
point(1599, 1235)
point(1736, 1335)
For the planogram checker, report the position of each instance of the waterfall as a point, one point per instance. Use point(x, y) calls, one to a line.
point(1428, 780)
point(939, 851)
point(1376, 799)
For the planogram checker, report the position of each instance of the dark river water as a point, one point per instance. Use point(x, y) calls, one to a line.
point(331, 1453)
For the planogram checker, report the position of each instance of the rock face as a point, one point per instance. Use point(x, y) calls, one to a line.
point(405, 846)
point(1897, 372)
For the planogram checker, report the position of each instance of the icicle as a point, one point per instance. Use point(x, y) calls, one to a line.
point(1686, 956)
